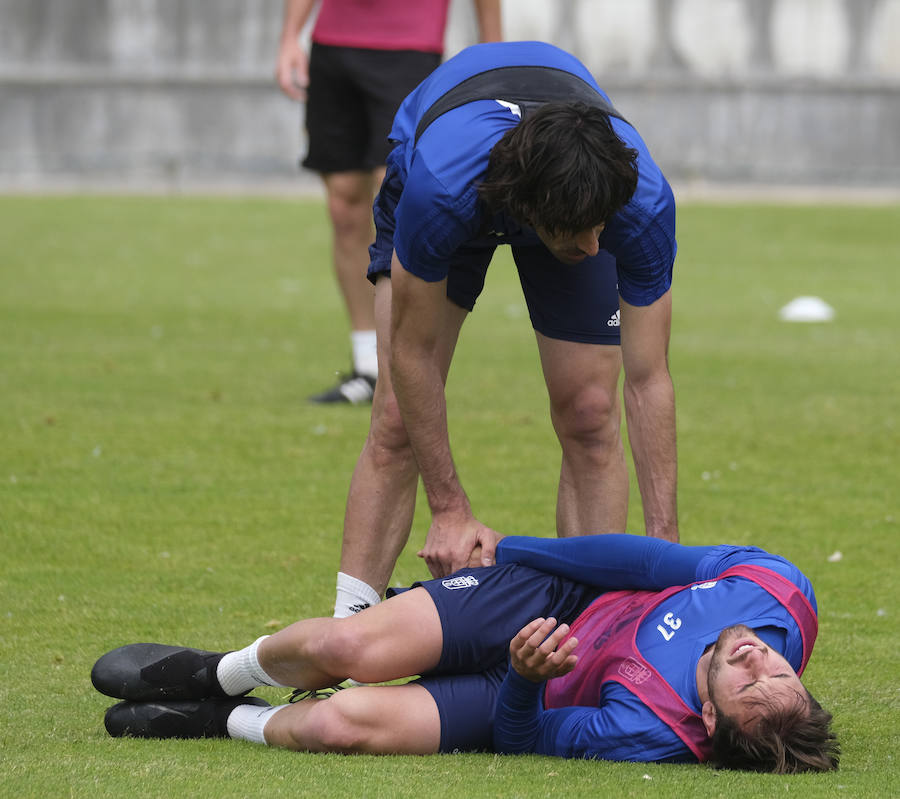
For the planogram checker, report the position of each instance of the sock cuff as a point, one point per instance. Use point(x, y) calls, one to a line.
point(239, 672)
point(361, 589)
point(353, 595)
point(248, 722)
point(252, 663)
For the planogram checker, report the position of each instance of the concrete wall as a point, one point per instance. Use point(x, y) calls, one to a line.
point(180, 93)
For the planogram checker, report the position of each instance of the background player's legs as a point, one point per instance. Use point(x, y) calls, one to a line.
point(350, 196)
point(338, 135)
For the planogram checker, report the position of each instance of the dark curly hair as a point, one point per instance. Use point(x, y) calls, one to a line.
point(563, 169)
point(785, 740)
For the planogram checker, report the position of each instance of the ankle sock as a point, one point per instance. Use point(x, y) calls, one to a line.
point(247, 722)
point(239, 672)
point(365, 352)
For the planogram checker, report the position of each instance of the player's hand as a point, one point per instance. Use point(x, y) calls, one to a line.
point(477, 557)
point(292, 70)
point(452, 540)
point(536, 654)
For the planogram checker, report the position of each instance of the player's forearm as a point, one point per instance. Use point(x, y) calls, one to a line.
point(609, 562)
point(488, 13)
point(517, 720)
point(419, 389)
point(522, 725)
point(650, 414)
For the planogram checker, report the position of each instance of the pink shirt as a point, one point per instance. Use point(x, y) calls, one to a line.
point(383, 24)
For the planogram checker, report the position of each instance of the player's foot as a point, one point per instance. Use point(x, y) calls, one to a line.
point(200, 718)
point(142, 672)
point(355, 389)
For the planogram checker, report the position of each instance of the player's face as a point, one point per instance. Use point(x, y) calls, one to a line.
point(746, 677)
point(572, 248)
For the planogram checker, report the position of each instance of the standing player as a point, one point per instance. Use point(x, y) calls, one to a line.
point(665, 653)
point(365, 58)
point(514, 143)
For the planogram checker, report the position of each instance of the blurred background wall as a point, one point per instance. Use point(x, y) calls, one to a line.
point(178, 94)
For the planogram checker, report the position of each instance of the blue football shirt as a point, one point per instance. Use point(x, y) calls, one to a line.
point(439, 210)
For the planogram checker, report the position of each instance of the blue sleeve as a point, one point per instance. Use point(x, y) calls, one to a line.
point(621, 729)
point(618, 561)
point(721, 558)
point(611, 561)
point(642, 234)
point(439, 210)
point(517, 723)
point(428, 226)
point(645, 260)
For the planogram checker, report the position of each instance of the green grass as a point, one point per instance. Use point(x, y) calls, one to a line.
point(163, 478)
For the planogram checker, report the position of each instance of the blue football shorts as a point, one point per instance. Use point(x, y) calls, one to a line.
point(481, 610)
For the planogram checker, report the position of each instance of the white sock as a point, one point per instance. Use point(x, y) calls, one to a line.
point(240, 671)
point(353, 596)
point(365, 352)
point(247, 722)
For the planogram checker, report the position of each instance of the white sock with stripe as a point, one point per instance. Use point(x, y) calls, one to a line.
point(353, 595)
point(248, 722)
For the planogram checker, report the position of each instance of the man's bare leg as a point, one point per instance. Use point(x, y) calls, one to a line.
point(350, 196)
point(382, 495)
point(392, 719)
point(398, 638)
point(582, 382)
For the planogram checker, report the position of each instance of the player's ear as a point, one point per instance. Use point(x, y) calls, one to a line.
point(708, 713)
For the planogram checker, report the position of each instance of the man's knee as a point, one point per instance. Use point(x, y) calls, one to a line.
point(350, 203)
point(337, 726)
point(327, 727)
point(589, 417)
point(345, 647)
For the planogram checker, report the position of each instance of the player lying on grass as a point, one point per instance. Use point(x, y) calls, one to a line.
point(622, 647)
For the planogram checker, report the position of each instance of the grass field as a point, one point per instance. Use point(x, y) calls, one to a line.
point(162, 477)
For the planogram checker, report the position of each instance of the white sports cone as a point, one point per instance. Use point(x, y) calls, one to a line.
point(807, 309)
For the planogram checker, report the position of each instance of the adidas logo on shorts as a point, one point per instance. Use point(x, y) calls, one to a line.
point(613, 320)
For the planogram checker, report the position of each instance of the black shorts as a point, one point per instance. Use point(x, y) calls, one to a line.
point(481, 610)
point(352, 98)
